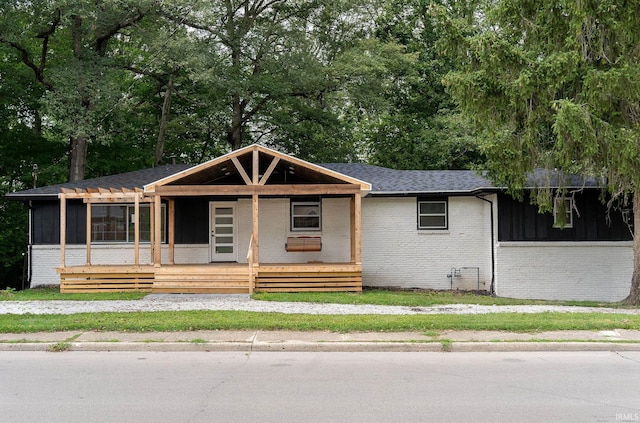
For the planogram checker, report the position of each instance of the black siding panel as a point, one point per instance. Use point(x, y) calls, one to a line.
point(76, 222)
point(520, 221)
point(192, 221)
point(46, 222)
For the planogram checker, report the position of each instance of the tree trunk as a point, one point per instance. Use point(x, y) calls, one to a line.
point(234, 134)
point(37, 123)
point(164, 118)
point(634, 293)
point(78, 157)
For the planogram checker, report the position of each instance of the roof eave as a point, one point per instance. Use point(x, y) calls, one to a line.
point(475, 191)
point(30, 197)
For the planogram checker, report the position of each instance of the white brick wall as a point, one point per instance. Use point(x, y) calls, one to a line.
point(396, 253)
point(598, 271)
point(46, 258)
point(274, 230)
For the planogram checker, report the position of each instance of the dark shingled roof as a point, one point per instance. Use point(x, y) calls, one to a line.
point(384, 181)
point(392, 181)
point(129, 180)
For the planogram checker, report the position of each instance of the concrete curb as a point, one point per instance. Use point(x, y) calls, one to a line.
point(297, 346)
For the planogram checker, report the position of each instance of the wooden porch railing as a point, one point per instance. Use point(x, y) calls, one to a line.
point(106, 279)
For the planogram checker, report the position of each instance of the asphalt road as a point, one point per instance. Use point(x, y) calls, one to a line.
point(319, 387)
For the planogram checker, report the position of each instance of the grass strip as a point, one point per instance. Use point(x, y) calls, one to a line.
point(53, 294)
point(414, 298)
point(173, 321)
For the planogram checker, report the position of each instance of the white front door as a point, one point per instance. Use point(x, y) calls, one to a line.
point(222, 224)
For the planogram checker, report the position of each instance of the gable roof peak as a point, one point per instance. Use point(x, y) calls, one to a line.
point(251, 169)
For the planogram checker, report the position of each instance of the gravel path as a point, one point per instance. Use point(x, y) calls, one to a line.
point(167, 302)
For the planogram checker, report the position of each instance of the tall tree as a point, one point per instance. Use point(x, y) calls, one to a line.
point(423, 129)
point(67, 45)
point(555, 85)
point(26, 159)
point(277, 69)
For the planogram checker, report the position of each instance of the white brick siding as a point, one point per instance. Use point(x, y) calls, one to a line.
point(46, 258)
point(598, 271)
point(274, 230)
point(396, 253)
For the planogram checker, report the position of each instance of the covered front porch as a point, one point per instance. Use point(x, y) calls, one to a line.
point(235, 188)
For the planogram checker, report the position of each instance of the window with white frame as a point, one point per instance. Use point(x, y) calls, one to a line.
point(563, 212)
point(306, 215)
point(432, 214)
point(116, 223)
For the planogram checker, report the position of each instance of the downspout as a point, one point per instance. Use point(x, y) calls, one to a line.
point(492, 289)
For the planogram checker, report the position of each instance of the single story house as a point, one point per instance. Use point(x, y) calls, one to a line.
point(257, 219)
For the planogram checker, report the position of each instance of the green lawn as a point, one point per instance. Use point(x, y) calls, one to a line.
point(48, 294)
point(368, 296)
point(237, 320)
point(413, 298)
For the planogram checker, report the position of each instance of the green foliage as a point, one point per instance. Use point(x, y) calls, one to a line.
point(59, 347)
point(7, 293)
point(422, 129)
point(323, 80)
point(26, 158)
point(553, 85)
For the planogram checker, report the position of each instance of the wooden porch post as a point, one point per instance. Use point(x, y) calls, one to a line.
point(171, 229)
point(88, 234)
point(136, 229)
point(63, 229)
point(152, 232)
point(356, 229)
point(157, 231)
point(255, 230)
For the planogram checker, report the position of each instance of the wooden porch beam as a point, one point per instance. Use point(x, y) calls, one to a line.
point(296, 189)
point(241, 170)
point(255, 166)
point(117, 199)
point(269, 171)
point(102, 194)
